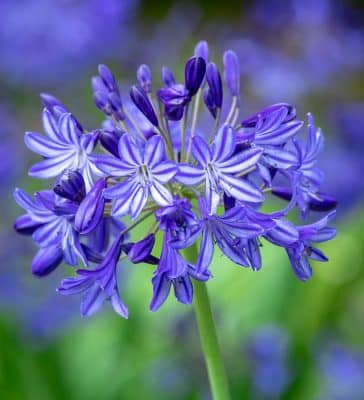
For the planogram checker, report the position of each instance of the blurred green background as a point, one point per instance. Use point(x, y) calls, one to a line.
point(281, 338)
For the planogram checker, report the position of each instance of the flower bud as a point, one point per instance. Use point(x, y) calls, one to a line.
point(213, 78)
point(141, 251)
point(232, 72)
point(140, 99)
point(168, 77)
point(25, 225)
point(91, 209)
point(202, 50)
point(194, 74)
point(71, 186)
point(110, 140)
point(46, 260)
point(144, 76)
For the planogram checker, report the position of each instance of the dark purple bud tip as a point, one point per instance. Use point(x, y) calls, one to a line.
point(25, 225)
point(46, 260)
point(202, 50)
point(213, 78)
point(174, 113)
point(144, 76)
point(71, 186)
point(141, 251)
point(109, 141)
point(91, 209)
point(323, 202)
point(167, 77)
point(232, 72)
point(140, 99)
point(194, 74)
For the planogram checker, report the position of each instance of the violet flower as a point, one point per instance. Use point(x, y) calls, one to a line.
point(190, 187)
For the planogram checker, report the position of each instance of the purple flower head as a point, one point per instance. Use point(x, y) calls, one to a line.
point(99, 284)
point(147, 171)
point(191, 180)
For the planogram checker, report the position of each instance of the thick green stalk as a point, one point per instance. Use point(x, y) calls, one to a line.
point(210, 345)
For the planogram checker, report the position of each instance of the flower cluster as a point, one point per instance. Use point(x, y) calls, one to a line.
point(192, 184)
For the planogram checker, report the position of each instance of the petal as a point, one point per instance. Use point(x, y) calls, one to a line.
point(241, 161)
point(183, 289)
point(129, 152)
point(113, 166)
point(49, 234)
point(279, 158)
point(118, 306)
point(200, 150)
point(241, 189)
point(164, 171)
point(212, 199)
point(189, 175)
point(206, 251)
point(300, 265)
point(224, 143)
point(161, 288)
point(279, 135)
point(154, 151)
point(138, 202)
point(122, 189)
point(69, 129)
point(50, 126)
point(42, 145)
point(52, 167)
point(161, 194)
point(92, 300)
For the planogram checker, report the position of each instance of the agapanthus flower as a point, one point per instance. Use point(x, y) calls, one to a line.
point(191, 181)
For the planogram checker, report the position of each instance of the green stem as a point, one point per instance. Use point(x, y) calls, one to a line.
point(210, 345)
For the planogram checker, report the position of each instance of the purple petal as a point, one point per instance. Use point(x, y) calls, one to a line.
point(241, 189)
point(42, 145)
point(113, 166)
point(118, 306)
point(92, 300)
point(224, 144)
point(50, 126)
point(241, 161)
point(201, 151)
point(164, 171)
point(69, 129)
point(183, 289)
point(144, 76)
point(213, 78)
point(279, 135)
point(161, 194)
point(49, 234)
point(154, 151)
point(52, 167)
point(189, 175)
point(138, 202)
point(125, 188)
point(161, 288)
point(206, 251)
point(279, 158)
point(129, 152)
